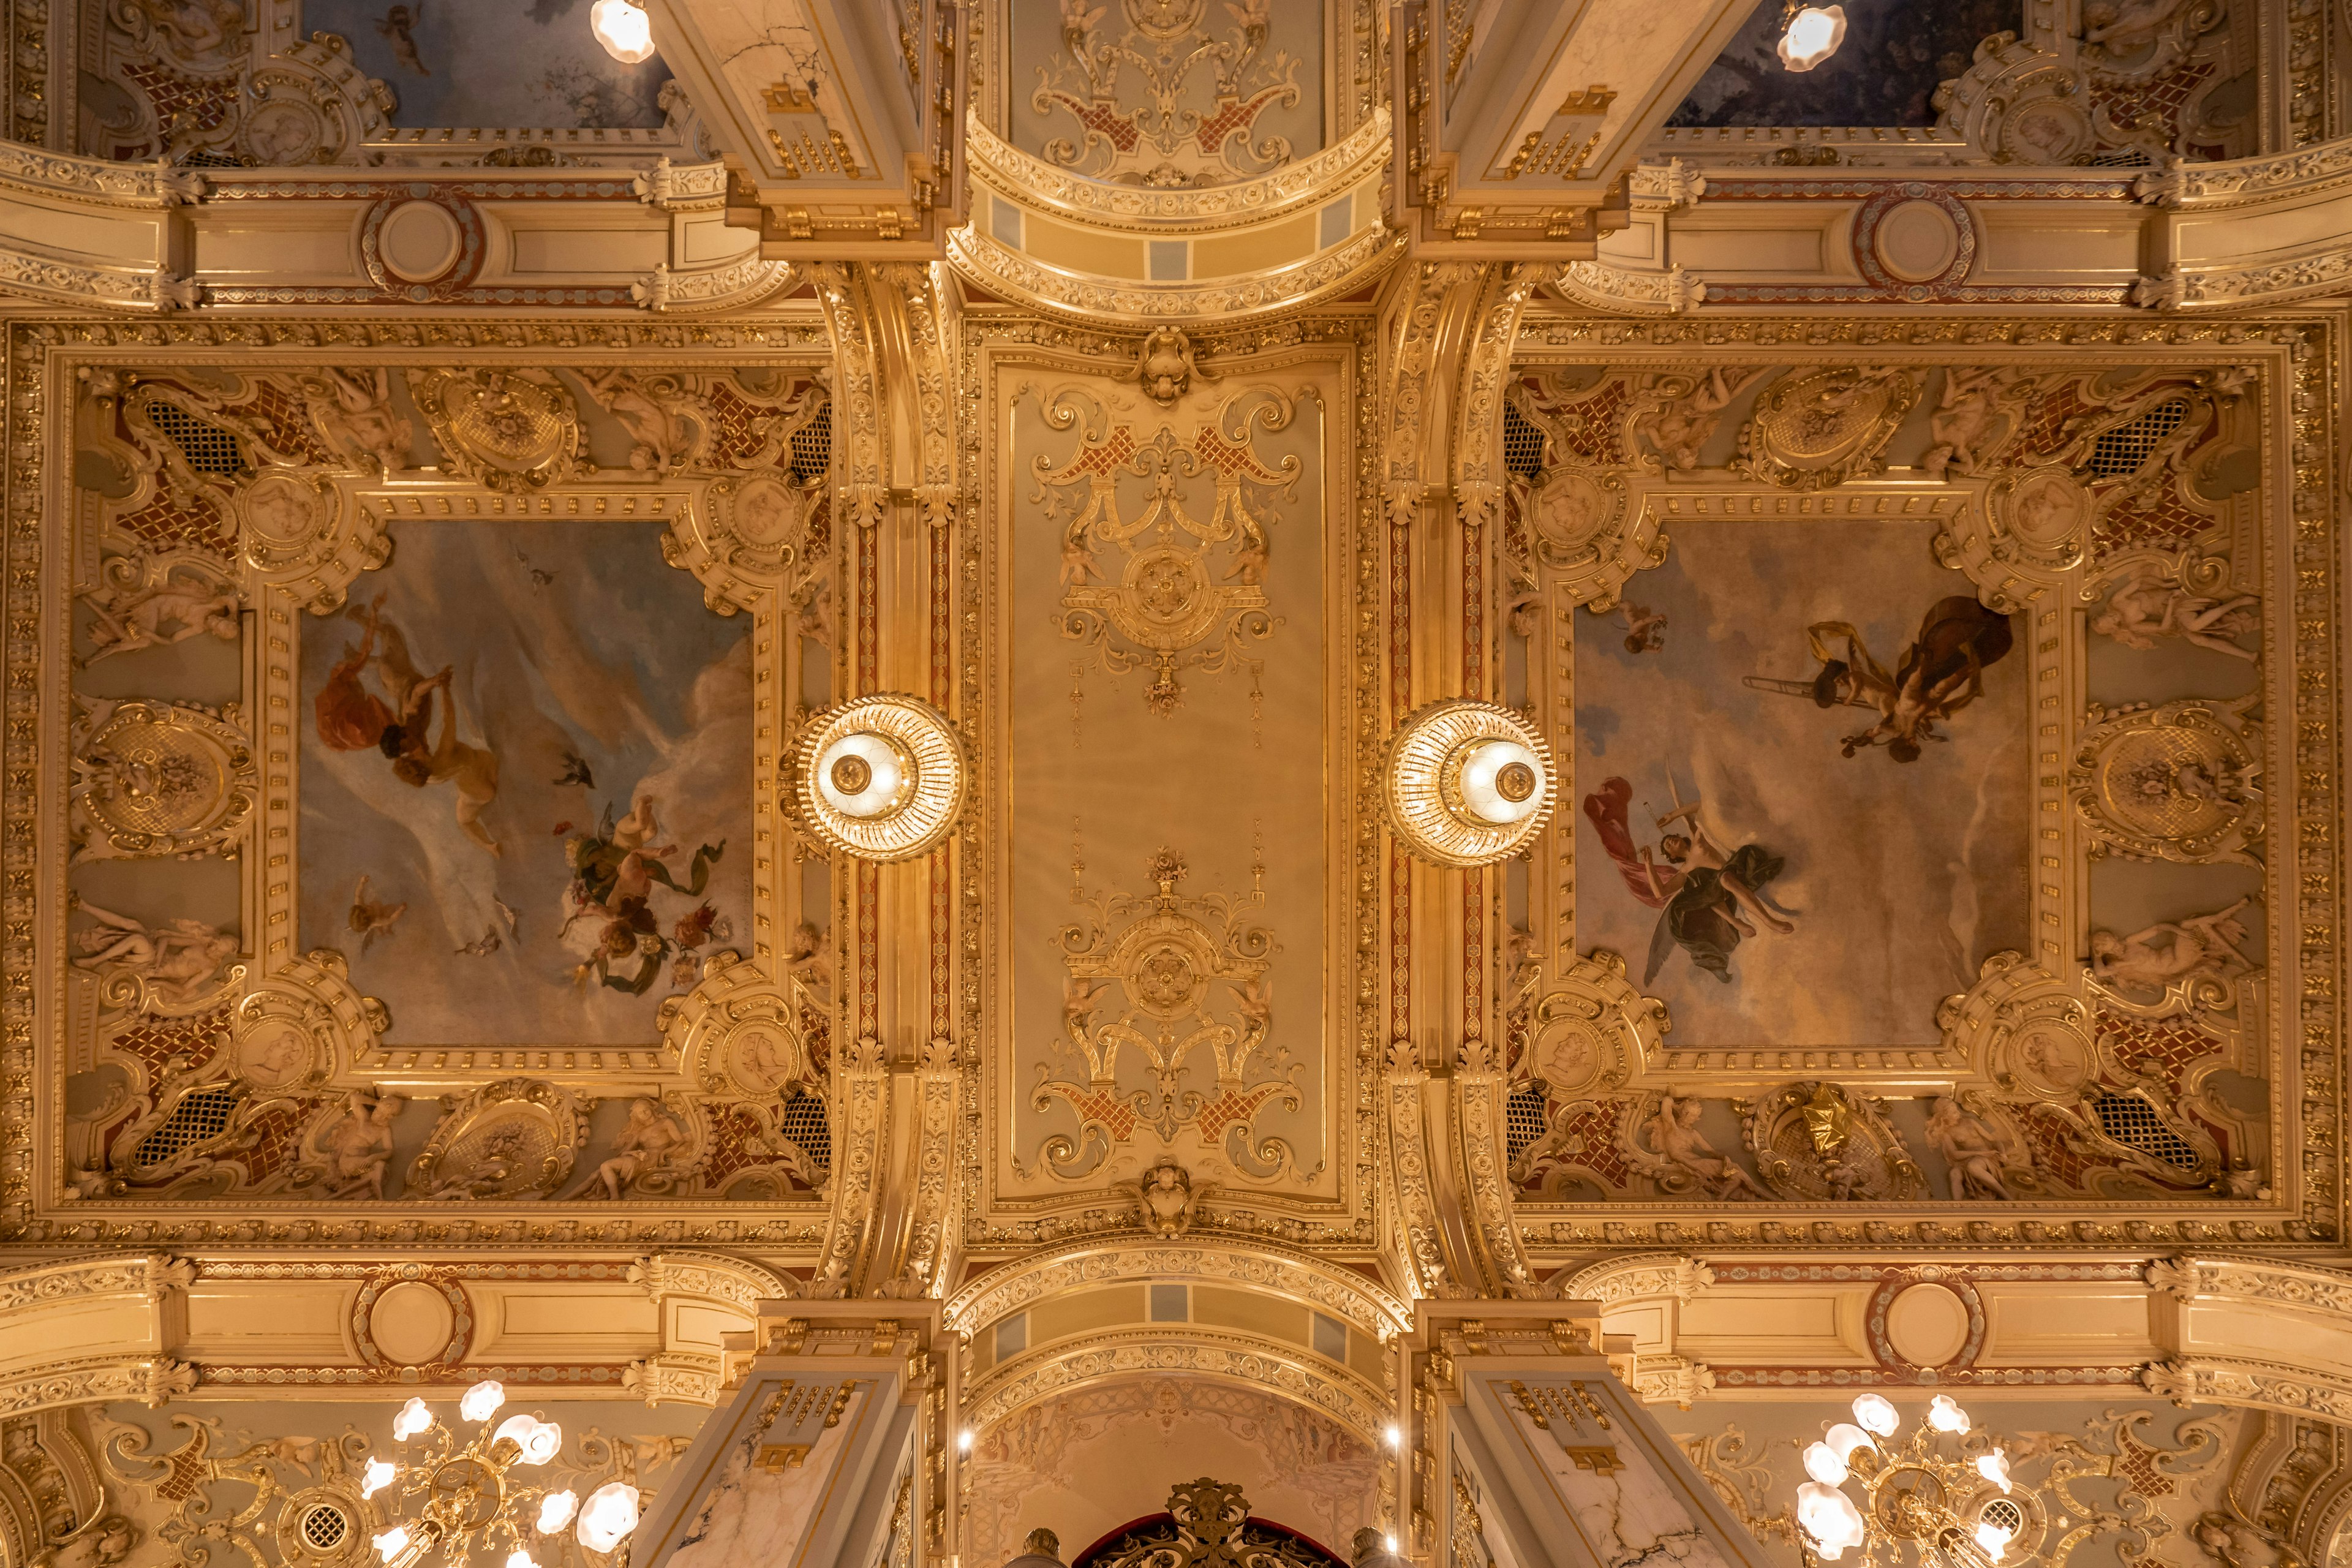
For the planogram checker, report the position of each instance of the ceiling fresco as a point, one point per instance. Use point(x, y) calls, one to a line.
point(492, 65)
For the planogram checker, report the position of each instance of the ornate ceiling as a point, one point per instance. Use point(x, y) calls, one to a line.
point(1176, 725)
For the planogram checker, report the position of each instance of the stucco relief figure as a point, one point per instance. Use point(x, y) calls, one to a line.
point(647, 1152)
point(2235, 1544)
point(2174, 951)
point(354, 408)
point(350, 1153)
point(178, 962)
point(126, 617)
point(2145, 606)
point(1693, 411)
point(650, 409)
point(1676, 1142)
point(1972, 1155)
point(1964, 413)
point(806, 961)
point(1165, 1197)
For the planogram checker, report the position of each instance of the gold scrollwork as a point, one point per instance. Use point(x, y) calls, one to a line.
point(154, 779)
point(1824, 428)
point(508, 429)
point(1814, 1141)
point(2174, 782)
point(516, 1138)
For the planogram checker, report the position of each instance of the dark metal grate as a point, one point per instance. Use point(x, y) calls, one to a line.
point(1524, 1120)
point(803, 1121)
point(2133, 1122)
point(208, 448)
point(812, 446)
point(1523, 444)
point(2121, 451)
point(202, 1115)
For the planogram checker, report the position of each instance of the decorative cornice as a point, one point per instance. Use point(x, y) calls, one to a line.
point(1267, 1265)
point(1039, 185)
point(1178, 1348)
point(1008, 273)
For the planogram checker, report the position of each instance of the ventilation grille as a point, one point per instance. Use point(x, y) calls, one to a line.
point(1523, 1121)
point(2133, 1122)
point(2002, 1514)
point(812, 446)
point(202, 1115)
point(1523, 444)
point(2123, 450)
point(803, 1122)
point(325, 1527)
point(207, 448)
point(2121, 158)
point(214, 160)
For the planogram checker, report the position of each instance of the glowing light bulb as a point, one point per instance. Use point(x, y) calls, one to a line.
point(963, 1441)
point(1878, 1415)
point(1825, 1464)
point(519, 1558)
point(1830, 1518)
point(482, 1400)
point(555, 1511)
point(1993, 1539)
point(862, 774)
point(377, 1477)
point(1994, 1468)
point(391, 1543)
point(1946, 1416)
point(538, 1439)
point(1813, 36)
point(1844, 1438)
point(623, 29)
point(413, 1418)
point(1390, 1541)
point(1502, 782)
point(1396, 1437)
point(608, 1516)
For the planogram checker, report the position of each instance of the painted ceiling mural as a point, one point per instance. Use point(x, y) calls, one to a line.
point(464, 917)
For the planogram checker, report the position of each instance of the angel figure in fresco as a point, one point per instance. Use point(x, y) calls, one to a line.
point(1939, 673)
point(352, 716)
point(371, 917)
point(2145, 606)
point(1709, 897)
point(2204, 946)
point(473, 770)
point(1675, 1139)
point(1645, 629)
point(613, 874)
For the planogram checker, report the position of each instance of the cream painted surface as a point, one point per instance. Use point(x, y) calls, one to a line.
point(2029, 1323)
point(2057, 242)
point(84, 1329)
point(697, 1326)
point(1775, 1326)
point(2238, 234)
point(570, 243)
point(2265, 1332)
point(1640, 243)
point(1651, 1324)
point(555, 1320)
point(316, 242)
point(1800, 239)
point(88, 234)
point(278, 1320)
point(705, 241)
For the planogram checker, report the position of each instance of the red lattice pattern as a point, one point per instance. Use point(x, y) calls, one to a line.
point(2138, 1463)
point(1590, 1141)
point(275, 1133)
point(167, 525)
point(284, 423)
point(1588, 427)
point(184, 103)
point(1234, 1108)
point(2154, 105)
point(736, 421)
point(2051, 422)
point(816, 1038)
point(156, 1041)
point(1106, 459)
point(732, 1132)
point(2054, 1151)
point(187, 1472)
point(1103, 119)
point(2166, 520)
point(1231, 458)
point(1103, 1106)
point(1232, 118)
point(2164, 1049)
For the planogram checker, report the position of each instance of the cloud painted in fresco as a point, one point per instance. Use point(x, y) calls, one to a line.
point(493, 63)
point(1905, 877)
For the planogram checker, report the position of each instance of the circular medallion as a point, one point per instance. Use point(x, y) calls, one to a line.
point(1916, 240)
point(763, 513)
point(1467, 783)
point(1570, 508)
point(275, 1055)
point(280, 509)
point(2051, 1059)
point(419, 241)
point(412, 1323)
point(280, 131)
point(2046, 512)
point(1928, 1325)
point(763, 1058)
point(882, 778)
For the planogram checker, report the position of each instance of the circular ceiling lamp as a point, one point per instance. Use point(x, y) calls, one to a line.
point(1811, 33)
point(1467, 783)
point(623, 29)
point(882, 778)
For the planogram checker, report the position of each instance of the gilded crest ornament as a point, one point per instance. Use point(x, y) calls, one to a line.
point(1467, 784)
point(1181, 600)
point(1818, 429)
point(1814, 1141)
point(1179, 978)
point(154, 779)
point(1208, 1526)
point(882, 778)
point(2178, 782)
point(508, 429)
point(1165, 365)
point(516, 1138)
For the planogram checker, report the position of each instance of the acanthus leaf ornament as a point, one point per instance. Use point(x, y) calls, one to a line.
point(1467, 784)
point(882, 778)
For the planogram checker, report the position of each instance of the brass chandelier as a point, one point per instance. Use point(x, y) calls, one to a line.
point(461, 1496)
point(1949, 1498)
